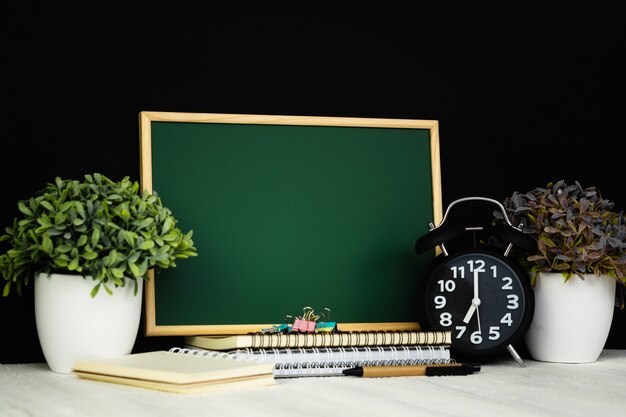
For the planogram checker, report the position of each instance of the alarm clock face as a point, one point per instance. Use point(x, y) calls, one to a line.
point(484, 299)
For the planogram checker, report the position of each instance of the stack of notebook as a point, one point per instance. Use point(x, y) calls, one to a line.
point(325, 354)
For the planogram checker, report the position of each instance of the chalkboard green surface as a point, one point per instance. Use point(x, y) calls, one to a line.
point(289, 212)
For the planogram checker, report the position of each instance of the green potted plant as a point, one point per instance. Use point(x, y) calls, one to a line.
point(579, 263)
point(82, 236)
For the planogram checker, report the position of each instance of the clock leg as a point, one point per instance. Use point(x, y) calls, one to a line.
point(516, 356)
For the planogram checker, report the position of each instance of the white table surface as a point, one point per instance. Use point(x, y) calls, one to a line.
point(500, 389)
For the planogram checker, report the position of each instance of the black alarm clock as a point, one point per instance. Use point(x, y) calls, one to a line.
point(478, 293)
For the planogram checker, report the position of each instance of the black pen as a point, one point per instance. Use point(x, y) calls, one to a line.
point(413, 370)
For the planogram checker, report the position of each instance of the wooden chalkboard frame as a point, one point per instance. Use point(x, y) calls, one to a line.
point(146, 120)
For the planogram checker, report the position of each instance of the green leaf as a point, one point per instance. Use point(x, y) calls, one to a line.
point(143, 223)
point(63, 249)
point(90, 256)
point(133, 257)
point(24, 208)
point(61, 262)
point(146, 245)
point(46, 205)
point(130, 238)
point(59, 218)
point(134, 269)
point(110, 259)
point(167, 225)
point(143, 268)
point(95, 290)
point(101, 273)
point(95, 236)
point(117, 272)
point(46, 245)
point(80, 209)
point(73, 266)
point(106, 287)
point(7, 289)
point(44, 221)
point(170, 237)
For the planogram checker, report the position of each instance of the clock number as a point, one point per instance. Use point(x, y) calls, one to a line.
point(440, 302)
point(506, 319)
point(494, 332)
point(458, 271)
point(476, 338)
point(479, 265)
point(461, 330)
point(445, 319)
point(494, 270)
point(513, 304)
point(508, 283)
point(447, 285)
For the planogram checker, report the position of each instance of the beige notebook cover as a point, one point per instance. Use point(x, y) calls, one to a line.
point(198, 387)
point(169, 371)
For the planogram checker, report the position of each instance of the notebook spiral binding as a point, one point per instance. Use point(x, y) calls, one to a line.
point(357, 338)
point(331, 361)
point(292, 370)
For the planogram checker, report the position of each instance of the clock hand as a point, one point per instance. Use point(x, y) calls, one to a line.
point(476, 286)
point(470, 313)
point(475, 301)
point(478, 319)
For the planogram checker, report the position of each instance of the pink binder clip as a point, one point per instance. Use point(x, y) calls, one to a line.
point(307, 322)
point(306, 326)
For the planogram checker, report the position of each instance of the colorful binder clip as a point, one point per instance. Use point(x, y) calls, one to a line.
point(326, 326)
point(306, 323)
point(304, 326)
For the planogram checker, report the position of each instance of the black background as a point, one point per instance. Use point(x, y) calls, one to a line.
point(524, 94)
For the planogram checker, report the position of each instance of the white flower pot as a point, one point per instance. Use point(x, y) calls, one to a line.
point(71, 325)
point(572, 319)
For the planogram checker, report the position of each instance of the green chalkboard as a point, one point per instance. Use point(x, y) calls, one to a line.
point(289, 212)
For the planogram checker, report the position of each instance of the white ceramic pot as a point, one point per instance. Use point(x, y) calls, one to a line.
point(71, 325)
point(572, 319)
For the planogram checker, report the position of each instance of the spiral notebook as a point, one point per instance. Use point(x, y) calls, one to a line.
point(295, 340)
point(330, 361)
